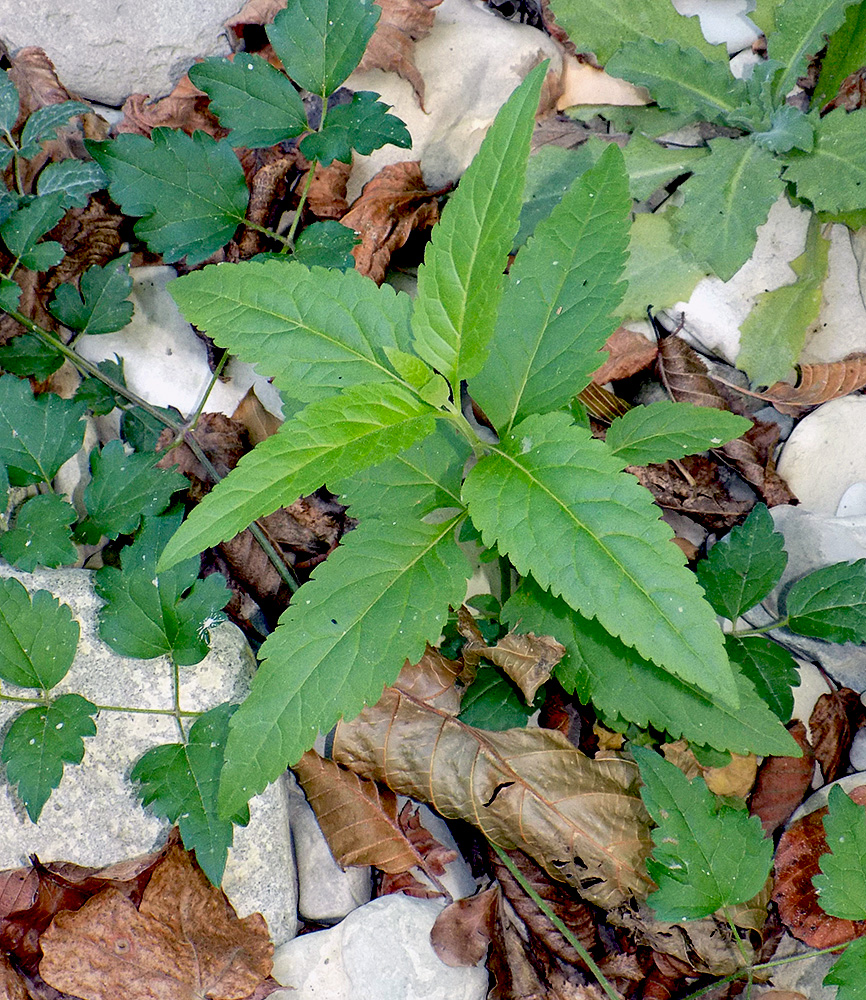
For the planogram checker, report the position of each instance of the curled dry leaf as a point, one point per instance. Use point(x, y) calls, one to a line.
point(629, 353)
point(462, 932)
point(268, 189)
point(581, 819)
point(797, 856)
point(735, 778)
point(391, 206)
point(12, 986)
point(753, 457)
point(326, 197)
point(833, 722)
point(818, 384)
point(258, 420)
point(186, 107)
point(852, 93)
point(782, 782)
point(254, 12)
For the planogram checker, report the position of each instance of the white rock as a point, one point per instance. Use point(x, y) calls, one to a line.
point(723, 21)
point(819, 798)
point(106, 50)
point(853, 502)
point(812, 685)
point(326, 892)
point(94, 817)
point(458, 878)
point(381, 951)
point(806, 975)
point(857, 753)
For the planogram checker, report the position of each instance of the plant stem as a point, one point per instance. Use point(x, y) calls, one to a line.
point(290, 236)
point(193, 420)
point(268, 232)
point(742, 633)
point(175, 712)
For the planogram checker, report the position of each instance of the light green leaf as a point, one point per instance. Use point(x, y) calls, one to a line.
point(8, 102)
point(604, 25)
point(830, 603)
point(728, 196)
point(27, 355)
point(309, 330)
point(326, 244)
point(789, 129)
point(75, 179)
point(682, 79)
point(40, 741)
point(44, 122)
point(847, 972)
point(460, 282)
point(554, 500)
point(650, 165)
point(774, 332)
point(556, 310)
point(38, 637)
point(620, 683)
point(252, 98)
point(40, 536)
point(846, 53)
point(841, 887)
point(362, 126)
point(326, 441)
point(190, 192)
point(770, 667)
point(664, 430)
point(833, 176)
point(101, 305)
point(180, 781)
point(659, 271)
point(37, 435)
point(374, 603)
point(706, 855)
point(744, 566)
point(492, 702)
point(320, 42)
point(24, 227)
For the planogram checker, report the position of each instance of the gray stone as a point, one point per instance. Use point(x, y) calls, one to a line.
point(94, 817)
point(806, 975)
point(857, 753)
point(381, 951)
point(106, 50)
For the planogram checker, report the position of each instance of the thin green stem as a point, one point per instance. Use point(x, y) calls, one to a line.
point(175, 712)
point(268, 232)
point(742, 633)
point(290, 236)
point(193, 420)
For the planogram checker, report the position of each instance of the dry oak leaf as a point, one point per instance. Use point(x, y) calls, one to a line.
point(782, 782)
point(818, 383)
point(628, 353)
point(326, 197)
point(582, 820)
point(391, 205)
point(462, 932)
point(184, 942)
point(832, 724)
point(392, 47)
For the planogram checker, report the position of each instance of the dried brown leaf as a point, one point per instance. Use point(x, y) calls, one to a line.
point(818, 383)
point(183, 943)
point(833, 722)
point(602, 404)
point(462, 932)
point(186, 107)
point(267, 194)
point(852, 93)
point(782, 782)
point(12, 986)
point(36, 79)
point(392, 46)
point(753, 457)
point(326, 197)
point(407, 884)
point(529, 789)
point(259, 422)
point(255, 12)
point(685, 376)
point(390, 207)
point(629, 353)
point(735, 778)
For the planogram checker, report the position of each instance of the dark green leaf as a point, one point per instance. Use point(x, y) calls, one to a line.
point(42, 256)
point(44, 122)
point(141, 429)
point(770, 667)
point(846, 53)
point(10, 293)
point(24, 227)
point(75, 179)
point(40, 536)
point(27, 355)
point(492, 702)
point(8, 102)
point(841, 887)
point(326, 244)
point(830, 603)
point(847, 972)
point(38, 637)
point(96, 395)
point(362, 126)
point(101, 305)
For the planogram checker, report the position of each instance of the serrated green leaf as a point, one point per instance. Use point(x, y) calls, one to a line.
point(320, 42)
point(728, 196)
point(847, 972)
point(326, 244)
point(604, 25)
point(800, 29)
point(141, 430)
point(122, 489)
point(555, 501)
point(659, 271)
point(180, 782)
point(8, 102)
point(830, 603)
point(308, 330)
point(252, 98)
point(650, 164)
point(841, 886)
point(98, 397)
point(846, 53)
point(37, 435)
point(24, 227)
point(38, 637)
point(770, 667)
point(460, 283)
point(101, 305)
point(375, 602)
point(833, 176)
point(789, 129)
point(190, 192)
point(44, 122)
point(619, 683)
point(774, 332)
point(492, 702)
point(556, 309)
point(326, 441)
point(40, 536)
point(42, 256)
point(362, 126)
point(706, 855)
point(682, 79)
point(744, 566)
point(76, 180)
point(40, 741)
point(27, 355)
point(10, 293)
point(664, 430)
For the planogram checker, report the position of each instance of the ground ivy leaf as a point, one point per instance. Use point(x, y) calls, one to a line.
point(38, 637)
point(847, 972)
point(649, 165)
point(37, 434)
point(40, 536)
point(770, 667)
point(190, 192)
point(180, 782)
point(326, 441)
point(664, 430)
point(44, 122)
point(362, 126)
point(252, 98)
point(122, 489)
point(460, 283)
point(744, 566)
point(728, 196)
point(830, 603)
point(40, 741)
point(706, 855)
point(320, 42)
point(8, 102)
point(27, 355)
point(555, 501)
point(101, 305)
point(25, 226)
point(76, 180)
point(375, 602)
point(556, 308)
point(620, 683)
point(841, 886)
point(337, 323)
point(492, 702)
point(833, 176)
point(326, 244)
